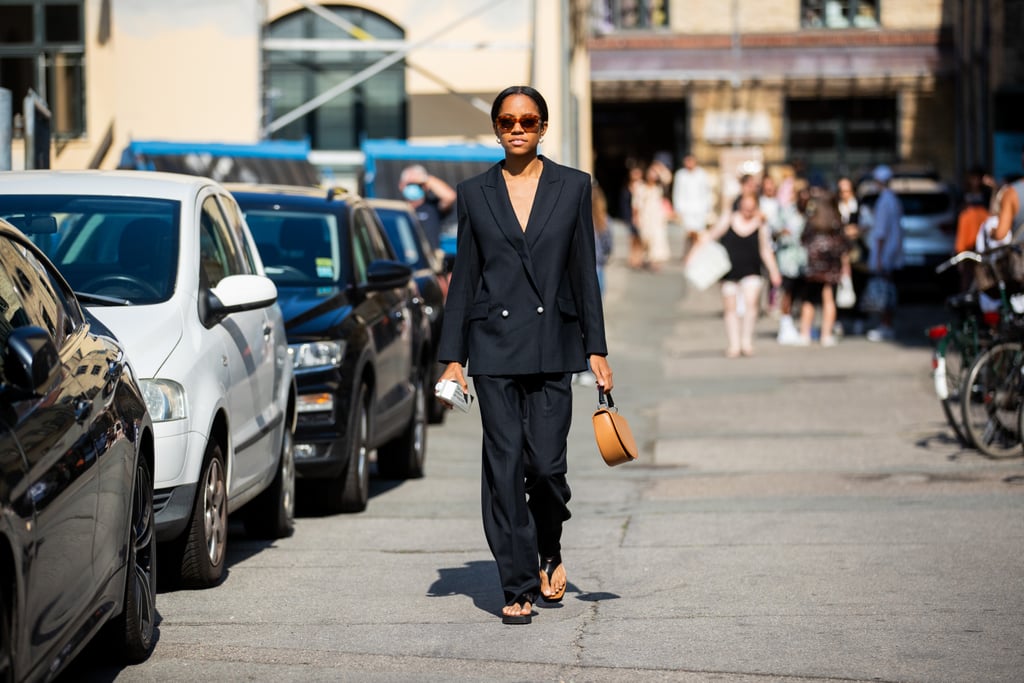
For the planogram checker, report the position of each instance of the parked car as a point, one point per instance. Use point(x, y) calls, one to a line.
point(408, 239)
point(76, 497)
point(167, 262)
point(929, 218)
point(359, 338)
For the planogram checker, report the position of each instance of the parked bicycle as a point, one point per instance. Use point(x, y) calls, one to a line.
point(956, 345)
point(992, 393)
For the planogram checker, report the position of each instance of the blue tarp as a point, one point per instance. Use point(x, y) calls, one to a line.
point(385, 160)
point(283, 162)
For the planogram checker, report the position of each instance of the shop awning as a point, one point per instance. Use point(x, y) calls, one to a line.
point(760, 63)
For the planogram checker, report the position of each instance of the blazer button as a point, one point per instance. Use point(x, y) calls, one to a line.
point(540, 309)
point(504, 313)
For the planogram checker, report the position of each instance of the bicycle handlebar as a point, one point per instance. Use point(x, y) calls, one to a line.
point(959, 258)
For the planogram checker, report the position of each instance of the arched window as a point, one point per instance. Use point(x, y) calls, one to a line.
point(374, 108)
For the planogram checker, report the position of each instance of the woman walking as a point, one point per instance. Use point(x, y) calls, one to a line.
point(524, 311)
point(747, 239)
point(650, 216)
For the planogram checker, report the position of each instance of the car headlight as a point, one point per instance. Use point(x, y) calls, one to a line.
point(164, 398)
point(319, 354)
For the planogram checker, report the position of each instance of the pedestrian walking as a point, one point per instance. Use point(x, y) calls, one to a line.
point(634, 178)
point(826, 264)
point(651, 217)
point(885, 255)
point(747, 240)
point(791, 256)
point(691, 198)
point(524, 311)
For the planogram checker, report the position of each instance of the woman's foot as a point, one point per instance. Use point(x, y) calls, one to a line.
point(747, 351)
point(552, 579)
point(732, 353)
point(517, 611)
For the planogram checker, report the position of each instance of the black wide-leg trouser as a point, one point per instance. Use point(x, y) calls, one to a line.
point(526, 421)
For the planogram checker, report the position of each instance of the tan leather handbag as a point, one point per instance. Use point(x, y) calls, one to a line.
point(614, 437)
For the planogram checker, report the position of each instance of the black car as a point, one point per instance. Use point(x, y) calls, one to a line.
point(410, 243)
point(76, 448)
point(359, 338)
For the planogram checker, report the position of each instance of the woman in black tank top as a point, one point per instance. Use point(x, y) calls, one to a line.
point(747, 239)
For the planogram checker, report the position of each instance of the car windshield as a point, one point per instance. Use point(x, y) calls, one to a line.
point(298, 248)
point(402, 235)
point(122, 248)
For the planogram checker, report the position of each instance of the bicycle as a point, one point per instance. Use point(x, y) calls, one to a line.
point(992, 395)
point(956, 345)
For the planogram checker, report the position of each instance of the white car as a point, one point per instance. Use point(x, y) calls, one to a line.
point(167, 262)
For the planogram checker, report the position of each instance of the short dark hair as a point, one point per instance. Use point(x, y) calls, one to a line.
point(538, 99)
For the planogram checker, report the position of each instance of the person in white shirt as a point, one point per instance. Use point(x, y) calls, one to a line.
point(691, 197)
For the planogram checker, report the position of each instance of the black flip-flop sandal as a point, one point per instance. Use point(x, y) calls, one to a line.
point(515, 619)
point(548, 568)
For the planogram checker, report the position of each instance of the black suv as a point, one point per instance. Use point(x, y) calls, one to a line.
point(359, 338)
point(408, 239)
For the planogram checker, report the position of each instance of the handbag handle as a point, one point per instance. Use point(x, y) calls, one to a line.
point(601, 394)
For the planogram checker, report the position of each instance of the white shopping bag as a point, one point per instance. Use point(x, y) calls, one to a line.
point(706, 263)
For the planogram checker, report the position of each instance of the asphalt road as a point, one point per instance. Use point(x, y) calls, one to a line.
point(802, 515)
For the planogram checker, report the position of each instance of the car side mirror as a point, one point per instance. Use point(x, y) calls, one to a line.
point(237, 293)
point(385, 274)
point(31, 361)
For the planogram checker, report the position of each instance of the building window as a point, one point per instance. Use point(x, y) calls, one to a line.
point(42, 48)
point(839, 13)
point(842, 136)
point(610, 16)
point(374, 108)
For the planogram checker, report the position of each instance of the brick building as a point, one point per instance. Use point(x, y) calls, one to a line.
point(841, 85)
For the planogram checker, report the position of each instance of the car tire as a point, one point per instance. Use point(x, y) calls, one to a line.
point(272, 513)
point(204, 542)
point(350, 491)
point(134, 628)
point(355, 491)
point(404, 456)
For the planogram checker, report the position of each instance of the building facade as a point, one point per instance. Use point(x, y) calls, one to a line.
point(839, 85)
point(242, 71)
point(835, 85)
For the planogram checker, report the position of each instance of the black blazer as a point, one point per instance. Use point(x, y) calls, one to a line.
point(524, 302)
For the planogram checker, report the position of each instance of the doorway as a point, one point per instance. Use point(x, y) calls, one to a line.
point(640, 131)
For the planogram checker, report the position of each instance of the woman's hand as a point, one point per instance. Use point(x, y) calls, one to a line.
point(453, 371)
point(602, 371)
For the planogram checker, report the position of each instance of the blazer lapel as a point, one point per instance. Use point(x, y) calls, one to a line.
point(549, 188)
point(496, 196)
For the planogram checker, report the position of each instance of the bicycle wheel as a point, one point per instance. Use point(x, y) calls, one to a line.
point(992, 398)
point(952, 362)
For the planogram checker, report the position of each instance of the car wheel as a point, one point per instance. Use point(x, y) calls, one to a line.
point(403, 457)
point(272, 513)
point(355, 490)
point(206, 539)
point(135, 626)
